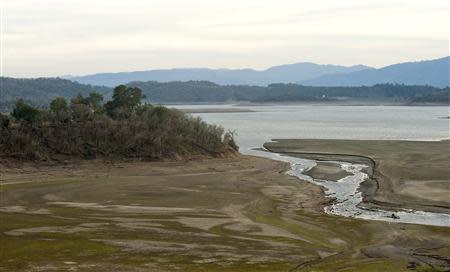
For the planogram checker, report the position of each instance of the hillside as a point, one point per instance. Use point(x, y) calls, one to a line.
point(204, 92)
point(289, 73)
point(433, 72)
point(40, 91)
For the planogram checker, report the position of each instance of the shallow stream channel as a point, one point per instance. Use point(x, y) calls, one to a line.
point(346, 191)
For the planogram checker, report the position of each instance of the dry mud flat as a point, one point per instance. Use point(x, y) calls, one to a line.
point(237, 214)
point(404, 174)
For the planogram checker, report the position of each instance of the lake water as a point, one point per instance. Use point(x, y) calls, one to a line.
point(265, 123)
point(329, 122)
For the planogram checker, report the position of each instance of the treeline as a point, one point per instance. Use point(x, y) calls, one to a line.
point(39, 92)
point(123, 127)
point(203, 91)
point(442, 96)
point(379, 92)
point(198, 92)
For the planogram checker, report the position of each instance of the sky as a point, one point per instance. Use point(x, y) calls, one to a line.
point(78, 37)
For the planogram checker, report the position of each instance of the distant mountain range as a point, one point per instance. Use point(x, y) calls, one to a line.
point(431, 72)
point(289, 73)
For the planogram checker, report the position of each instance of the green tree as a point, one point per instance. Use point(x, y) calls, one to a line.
point(82, 105)
point(58, 105)
point(25, 112)
point(95, 101)
point(78, 100)
point(81, 112)
point(125, 101)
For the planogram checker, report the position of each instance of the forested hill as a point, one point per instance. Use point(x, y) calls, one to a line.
point(204, 92)
point(40, 91)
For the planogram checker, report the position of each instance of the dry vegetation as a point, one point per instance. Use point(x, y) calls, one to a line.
point(121, 128)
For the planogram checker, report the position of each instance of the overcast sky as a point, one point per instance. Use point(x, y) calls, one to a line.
point(60, 37)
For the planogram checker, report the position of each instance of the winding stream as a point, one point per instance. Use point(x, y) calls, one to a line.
point(346, 194)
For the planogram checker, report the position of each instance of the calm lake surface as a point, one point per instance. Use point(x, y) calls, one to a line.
point(329, 122)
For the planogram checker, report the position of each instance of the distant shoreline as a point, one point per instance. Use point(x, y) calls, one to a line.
point(299, 103)
point(214, 110)
point(247, 107)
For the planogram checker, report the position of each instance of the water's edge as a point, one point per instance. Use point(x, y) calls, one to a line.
point(346, 192)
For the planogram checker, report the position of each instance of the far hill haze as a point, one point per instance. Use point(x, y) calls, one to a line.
point(289, 73)
point(432, 72)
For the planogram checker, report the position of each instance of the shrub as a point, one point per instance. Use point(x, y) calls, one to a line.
point(25, 112)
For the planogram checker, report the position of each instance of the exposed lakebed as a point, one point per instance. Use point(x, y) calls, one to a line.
point(346, 191)
point(265, 122)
